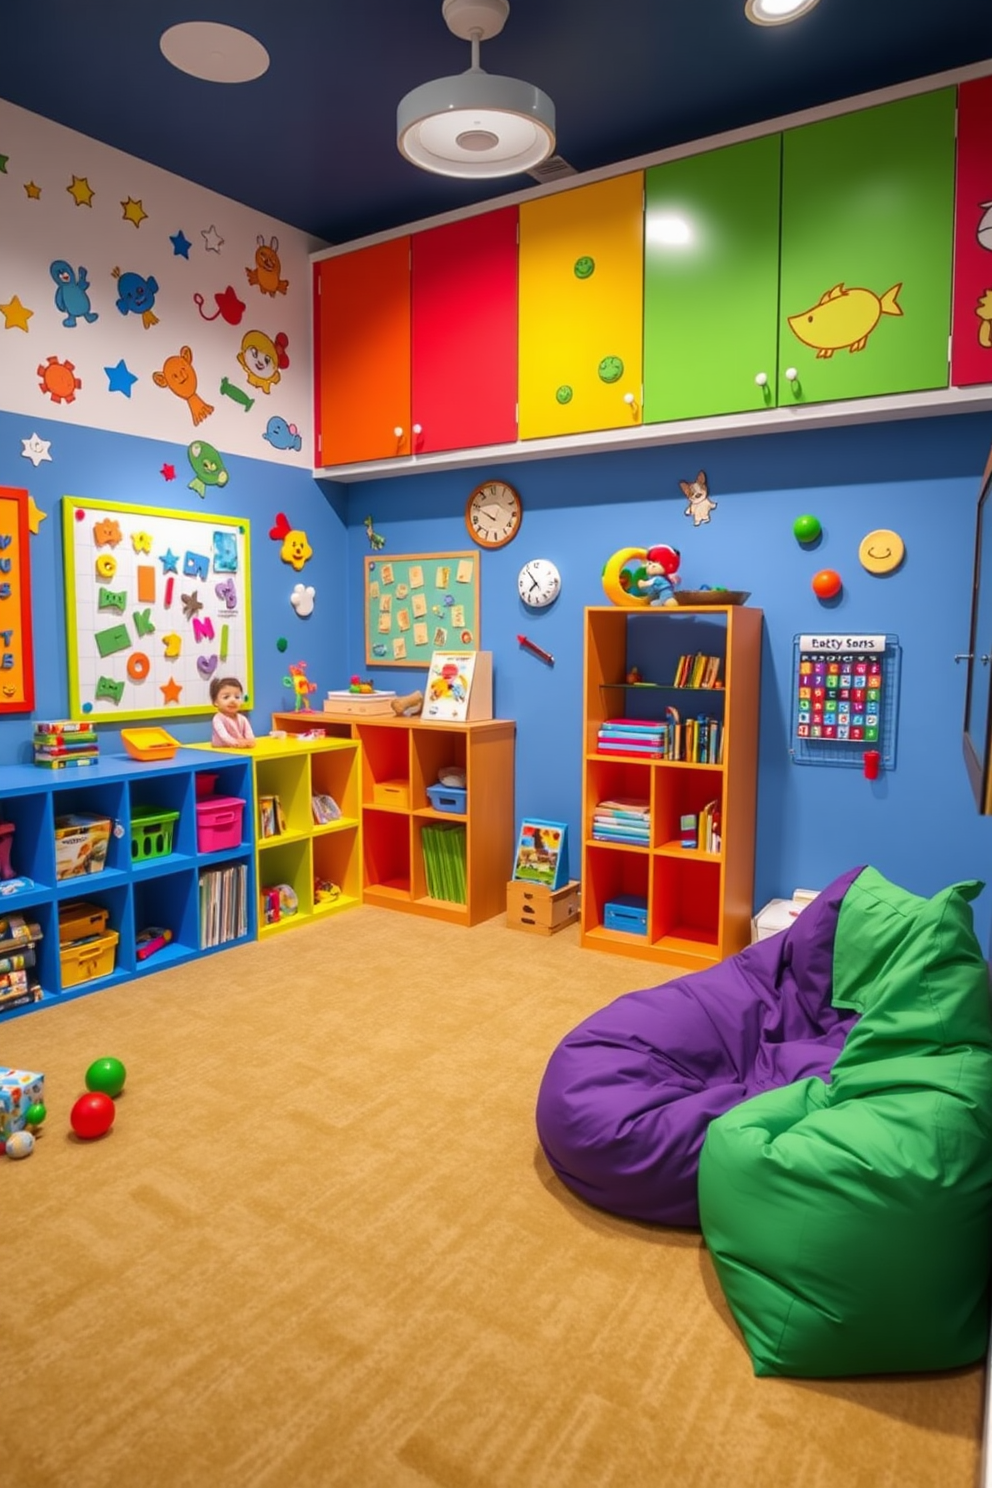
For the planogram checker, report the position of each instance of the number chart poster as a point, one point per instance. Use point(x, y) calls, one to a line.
point(840, 687)
point(157, 603)
point(420, 603)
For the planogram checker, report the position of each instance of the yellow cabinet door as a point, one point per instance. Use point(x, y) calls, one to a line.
point(581, 294)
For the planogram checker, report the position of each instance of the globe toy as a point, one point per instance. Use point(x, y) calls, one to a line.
point(827, 583)
point(106, 1075)
point(92, 1116)
point(20, 1144)
point(806, 529)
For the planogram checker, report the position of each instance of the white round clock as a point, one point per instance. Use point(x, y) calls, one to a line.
point(539, 582)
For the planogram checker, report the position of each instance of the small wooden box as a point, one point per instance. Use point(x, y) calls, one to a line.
point(392, 793)
point(541, 910)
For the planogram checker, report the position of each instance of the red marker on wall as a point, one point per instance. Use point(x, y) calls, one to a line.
point(536, 650)
point(168, 591)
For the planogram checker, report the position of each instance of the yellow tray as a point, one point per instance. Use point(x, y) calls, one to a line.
point(149, 743)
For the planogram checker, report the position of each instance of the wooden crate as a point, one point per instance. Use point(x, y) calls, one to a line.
point(541, 910)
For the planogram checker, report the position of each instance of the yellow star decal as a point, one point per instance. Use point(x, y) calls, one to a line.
point(15, 315)
point(35, 515)
point(141, 542)
point(134, 211)
point(173, 645)
point(170, 691)
point(81, 191)
point(33, 191)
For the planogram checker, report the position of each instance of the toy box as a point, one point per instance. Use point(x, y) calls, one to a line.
point(151, 832)
point(541, 910)
point(19, 1089)
point(392, 793)
point(626, 912)
point(79, 919)
point(85, 960)
point(778, 914)
point(81, 844)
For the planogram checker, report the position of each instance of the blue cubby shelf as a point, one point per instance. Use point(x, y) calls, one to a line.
point(136, 893)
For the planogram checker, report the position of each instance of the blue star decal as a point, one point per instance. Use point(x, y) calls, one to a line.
point(180, 244)
point(170, 562)
point(120, 378)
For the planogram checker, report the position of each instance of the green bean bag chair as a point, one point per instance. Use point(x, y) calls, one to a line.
point(850, 1222)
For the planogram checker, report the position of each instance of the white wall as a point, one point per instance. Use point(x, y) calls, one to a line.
point(38, 229)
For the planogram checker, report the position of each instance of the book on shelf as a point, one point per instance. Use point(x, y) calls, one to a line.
point(629, 819)
point(709, 827)
point(325, 809)
point(19, 961)
point(634, 805)
point(63, 726)
point(16, 927)
point(67, 761)
point(605, 834)
point(20, 998)
point(223, 904)
point(697, 670)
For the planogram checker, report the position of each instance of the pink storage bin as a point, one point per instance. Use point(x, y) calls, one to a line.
point(218, 823)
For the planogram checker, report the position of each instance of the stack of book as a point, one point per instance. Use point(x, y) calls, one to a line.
point(223, 905)
point(444, 861)
point(710, 827)
point(634, 737)
point(622, 820)
point(60, 745)
point(697, 671)
point(18, 958)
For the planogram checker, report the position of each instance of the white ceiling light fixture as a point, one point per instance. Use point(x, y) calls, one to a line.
point(214, 53)
point(475, 125)
point(776, 12)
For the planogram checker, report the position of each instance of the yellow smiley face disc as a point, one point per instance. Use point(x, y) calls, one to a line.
point(882, 551)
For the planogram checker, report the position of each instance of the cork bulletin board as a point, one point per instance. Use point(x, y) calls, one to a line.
point(419, 603)
point(157, 603)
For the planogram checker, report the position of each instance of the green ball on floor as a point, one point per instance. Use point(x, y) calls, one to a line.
point(106, 1076)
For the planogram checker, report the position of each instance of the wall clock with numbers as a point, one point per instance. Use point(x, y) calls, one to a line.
point(538, 583)
point(493, 514)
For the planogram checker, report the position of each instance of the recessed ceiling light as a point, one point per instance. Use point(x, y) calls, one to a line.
point(776, 12)
point(217, 54)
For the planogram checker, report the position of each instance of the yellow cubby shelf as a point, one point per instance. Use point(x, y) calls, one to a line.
point(316, 865)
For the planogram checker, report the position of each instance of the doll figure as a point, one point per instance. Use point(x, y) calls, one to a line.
point(661, 570)
point(231, 728)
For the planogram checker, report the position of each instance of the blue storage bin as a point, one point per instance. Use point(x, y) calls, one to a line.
point(447, 798)
point(626, 912)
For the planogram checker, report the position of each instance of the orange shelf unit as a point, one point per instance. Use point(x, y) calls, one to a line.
point(699, 898)
point(401, 757)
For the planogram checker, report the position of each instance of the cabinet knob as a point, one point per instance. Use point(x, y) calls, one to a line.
point(791, 375)
point(963, 656)
point(418, 428)
point(399, 431)
point(761, 379)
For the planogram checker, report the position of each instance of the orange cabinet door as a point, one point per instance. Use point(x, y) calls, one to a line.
point(362, 354)
point(581, 308)
point(465, 333)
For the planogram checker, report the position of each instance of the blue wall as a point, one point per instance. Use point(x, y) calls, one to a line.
point(114, 467)
point(917, 824)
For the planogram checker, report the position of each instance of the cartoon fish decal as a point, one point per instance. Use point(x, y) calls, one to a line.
point(136, 296)
point(208, 467)
point(282, 436)
point(843, 317)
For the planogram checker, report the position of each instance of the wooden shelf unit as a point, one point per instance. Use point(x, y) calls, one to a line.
point(305, 852)
point(699, 903)
point(401, 757)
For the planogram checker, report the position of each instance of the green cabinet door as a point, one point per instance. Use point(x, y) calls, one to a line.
point(867, 228)
point(711, 281)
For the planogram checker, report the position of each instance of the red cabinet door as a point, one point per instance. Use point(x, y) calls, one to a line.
point(465, 332)
point(362, 354)
point(971, 333)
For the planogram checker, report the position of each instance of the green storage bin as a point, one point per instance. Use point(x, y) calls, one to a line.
point(151, 832)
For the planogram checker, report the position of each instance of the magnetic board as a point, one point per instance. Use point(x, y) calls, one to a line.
point(157, 603)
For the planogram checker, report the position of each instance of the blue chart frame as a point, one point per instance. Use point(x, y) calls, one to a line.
point(849, 752)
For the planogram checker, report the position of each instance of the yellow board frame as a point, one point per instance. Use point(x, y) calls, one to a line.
point(105, 544)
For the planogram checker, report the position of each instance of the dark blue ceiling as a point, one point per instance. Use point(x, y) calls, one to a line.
point(312, 143)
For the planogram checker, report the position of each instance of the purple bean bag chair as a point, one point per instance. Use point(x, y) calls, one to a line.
point(628, 1095)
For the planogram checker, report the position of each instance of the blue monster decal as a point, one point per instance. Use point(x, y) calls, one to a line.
point(282, 436)
point(71, 296)
point(136, 296)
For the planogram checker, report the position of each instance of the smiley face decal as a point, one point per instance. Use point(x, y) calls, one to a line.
point(882, 551)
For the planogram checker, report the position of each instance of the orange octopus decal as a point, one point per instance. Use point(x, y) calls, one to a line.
point(179, 377)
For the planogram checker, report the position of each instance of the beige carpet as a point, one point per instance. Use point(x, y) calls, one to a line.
point(322, 1247)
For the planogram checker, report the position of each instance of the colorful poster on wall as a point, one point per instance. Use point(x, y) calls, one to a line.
point(16, 656)
point(416, 604)
point(840, 687)
point(158, 603)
